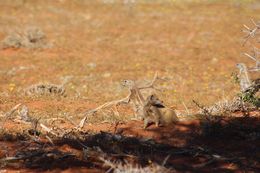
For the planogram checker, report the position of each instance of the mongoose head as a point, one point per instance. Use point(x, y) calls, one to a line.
point(127, 83)
point(241, 66)
point(155, 101)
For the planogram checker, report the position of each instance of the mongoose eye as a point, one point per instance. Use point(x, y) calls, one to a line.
point(124, 82)
point(127, 82)
point(239, 65)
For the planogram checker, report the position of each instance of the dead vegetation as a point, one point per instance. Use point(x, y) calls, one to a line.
point(46, 89)
point(32, 38)
point(119, 167)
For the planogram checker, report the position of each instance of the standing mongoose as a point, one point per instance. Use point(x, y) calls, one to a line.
point(155, 112)
point(135, 96)
point(244, 79)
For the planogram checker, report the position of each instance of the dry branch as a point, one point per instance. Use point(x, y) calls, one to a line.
point(214, 158)
point(47, 129)
point(13, 110)
point(254, 57)
point(134, 95)
point(251, 32)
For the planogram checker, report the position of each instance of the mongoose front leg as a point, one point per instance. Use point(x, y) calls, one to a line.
point(157, 123)
point(156, 114)
point(146, 122)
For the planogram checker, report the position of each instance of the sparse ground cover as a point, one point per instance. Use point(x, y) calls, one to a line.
point(89, 47)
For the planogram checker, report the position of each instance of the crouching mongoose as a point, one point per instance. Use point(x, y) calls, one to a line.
point(154, 111)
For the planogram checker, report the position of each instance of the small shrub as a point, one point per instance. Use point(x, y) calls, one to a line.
point(45, 89)
point(250, 95)
point(32, 38)
point(225, 106)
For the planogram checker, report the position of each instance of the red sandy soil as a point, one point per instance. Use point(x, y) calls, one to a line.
point(233, 140)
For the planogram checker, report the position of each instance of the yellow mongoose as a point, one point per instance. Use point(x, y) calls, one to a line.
point(245, 81)
point(155, 112)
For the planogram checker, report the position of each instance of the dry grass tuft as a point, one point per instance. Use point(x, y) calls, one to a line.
point(225, 106)
point(32, 38)
point(119, 167)
point(45, 89)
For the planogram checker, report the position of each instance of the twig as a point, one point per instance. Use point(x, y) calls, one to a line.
point(254, 58)
point(56, 119)
point(44, 127)
point(165, 160)
point(187, 110)
point(250, 32)
point(13, 110)
point(48, 129)
point(151, 85)
point(205, 110)
point(213, 158)
point(51, 141)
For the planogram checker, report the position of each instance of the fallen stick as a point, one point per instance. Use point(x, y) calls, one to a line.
point(134, 95)
point(115, 102)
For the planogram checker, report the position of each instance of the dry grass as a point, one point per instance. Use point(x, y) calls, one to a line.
point(119, 167)
point(45, 89)
point(32, 38)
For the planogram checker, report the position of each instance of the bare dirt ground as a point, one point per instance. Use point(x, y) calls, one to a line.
point(194, 46)
point(188, 149)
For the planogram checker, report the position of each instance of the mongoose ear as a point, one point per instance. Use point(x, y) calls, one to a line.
point(150, 97)
point(157, 103)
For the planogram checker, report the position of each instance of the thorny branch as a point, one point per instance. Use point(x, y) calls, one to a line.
point(254, 57)
point(251, 33)
point(205, 111)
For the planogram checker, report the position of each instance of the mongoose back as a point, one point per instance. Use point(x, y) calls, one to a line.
point(155, 112)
